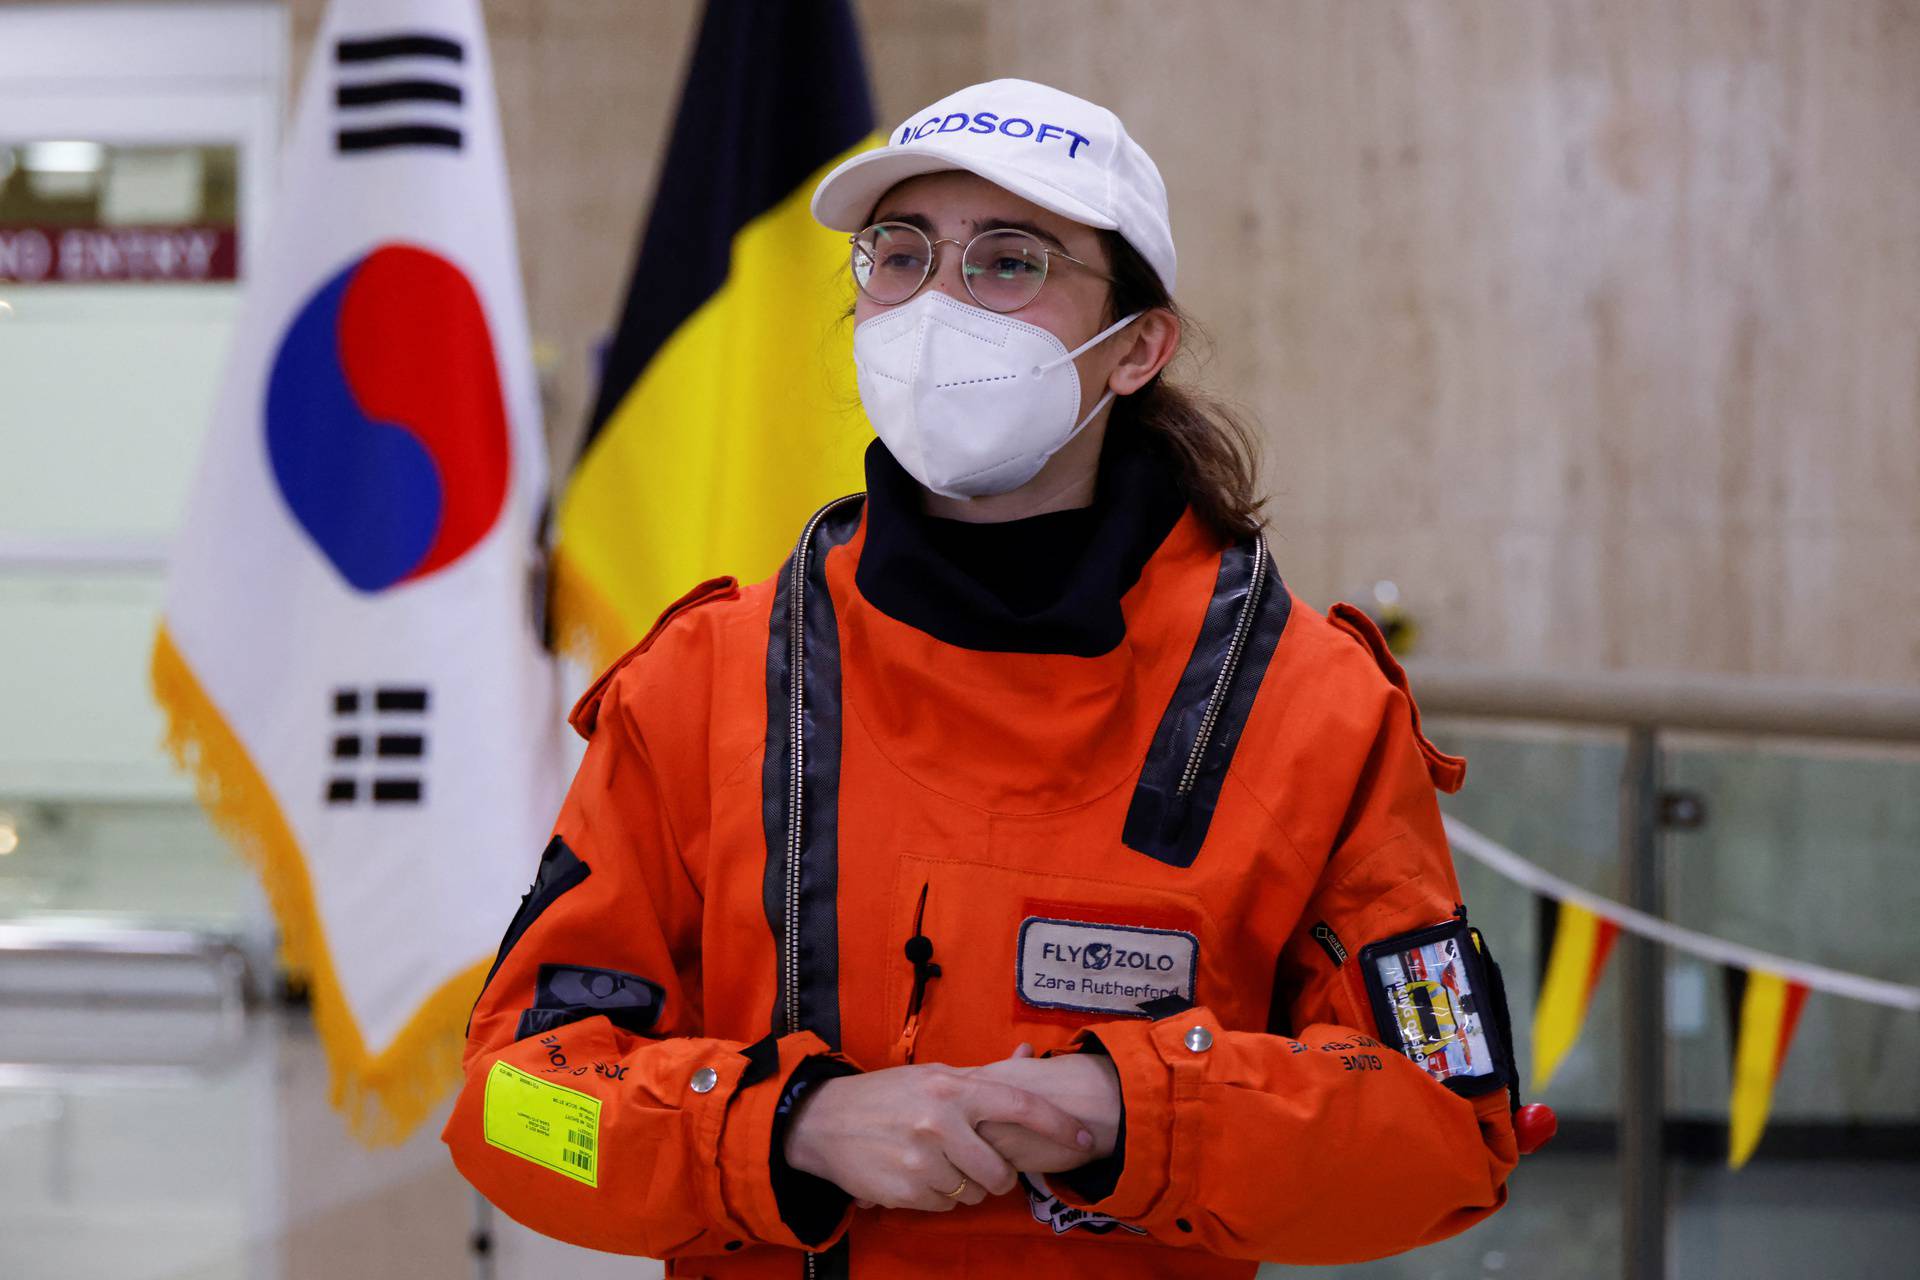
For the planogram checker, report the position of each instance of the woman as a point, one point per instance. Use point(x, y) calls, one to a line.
point(1021, 878)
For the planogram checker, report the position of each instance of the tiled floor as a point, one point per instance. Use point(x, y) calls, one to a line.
point(208, 1152)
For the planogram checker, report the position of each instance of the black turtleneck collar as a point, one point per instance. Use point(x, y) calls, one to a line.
point(1047, 584)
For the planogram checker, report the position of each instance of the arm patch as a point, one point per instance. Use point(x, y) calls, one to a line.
point(1434, 1001)
point(566, 993)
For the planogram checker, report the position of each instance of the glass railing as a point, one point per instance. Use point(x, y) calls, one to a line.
point(1802, 842)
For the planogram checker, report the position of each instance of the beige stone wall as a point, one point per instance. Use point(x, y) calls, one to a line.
point(1593, 323)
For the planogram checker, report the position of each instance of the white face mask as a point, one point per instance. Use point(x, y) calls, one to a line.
point(969, 401)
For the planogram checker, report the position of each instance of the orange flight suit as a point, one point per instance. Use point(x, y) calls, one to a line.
point(1131, 852)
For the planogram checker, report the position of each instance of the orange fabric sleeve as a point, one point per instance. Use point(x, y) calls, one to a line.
point(683, 1158)
point(1325, 1146)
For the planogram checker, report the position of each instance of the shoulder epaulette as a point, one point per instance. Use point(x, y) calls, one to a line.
point(1448, 772)
point(586, 712)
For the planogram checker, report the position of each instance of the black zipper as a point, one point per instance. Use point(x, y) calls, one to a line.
point(1242, 628)
point(796, 780)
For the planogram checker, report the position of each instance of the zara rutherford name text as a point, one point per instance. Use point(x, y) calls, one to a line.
point(1102, 987)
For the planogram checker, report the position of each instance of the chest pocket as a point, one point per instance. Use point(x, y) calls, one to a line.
point(1027, 955)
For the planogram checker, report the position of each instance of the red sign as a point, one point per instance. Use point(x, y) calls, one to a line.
point(103, 255)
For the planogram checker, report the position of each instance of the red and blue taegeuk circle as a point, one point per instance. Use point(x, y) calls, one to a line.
point(385, 424)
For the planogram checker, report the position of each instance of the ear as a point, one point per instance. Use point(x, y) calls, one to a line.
point(1151, 341)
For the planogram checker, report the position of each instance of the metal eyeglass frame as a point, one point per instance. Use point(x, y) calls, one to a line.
point(1047, 255)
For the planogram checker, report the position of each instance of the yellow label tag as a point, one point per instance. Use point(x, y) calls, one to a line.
point(554, 1127)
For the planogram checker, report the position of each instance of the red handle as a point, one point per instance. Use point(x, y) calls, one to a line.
point(1534, 1126)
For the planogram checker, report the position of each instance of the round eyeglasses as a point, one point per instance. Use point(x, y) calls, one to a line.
point(1002, 268)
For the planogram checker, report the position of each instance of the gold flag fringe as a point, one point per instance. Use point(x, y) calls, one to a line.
point(587, 626)
point(385, 1096)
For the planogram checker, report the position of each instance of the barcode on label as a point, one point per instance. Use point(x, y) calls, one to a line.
point(554, 1127)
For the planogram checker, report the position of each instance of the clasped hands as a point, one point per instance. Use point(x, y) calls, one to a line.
point(906, 1137)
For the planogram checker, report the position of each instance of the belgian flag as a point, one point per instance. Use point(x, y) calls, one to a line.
point(1574, 946)
point(727, 409)
point(1763, 1011)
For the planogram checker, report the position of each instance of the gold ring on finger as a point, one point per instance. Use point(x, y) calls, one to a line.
point(958, 1191)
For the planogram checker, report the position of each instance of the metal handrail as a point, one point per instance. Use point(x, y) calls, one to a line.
point(28, 553)
point(223, 956)
point(94, 937)
point(91, 936)
point(1649, 706)
point(1671, 700)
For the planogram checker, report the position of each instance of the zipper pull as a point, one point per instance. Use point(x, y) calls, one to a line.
point(919, 952)
point(903, 1048)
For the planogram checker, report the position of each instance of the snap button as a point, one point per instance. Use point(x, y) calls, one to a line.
point(1199, 1039)
point(704, 1079)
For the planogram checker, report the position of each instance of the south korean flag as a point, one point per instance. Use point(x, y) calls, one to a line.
point(351, 657)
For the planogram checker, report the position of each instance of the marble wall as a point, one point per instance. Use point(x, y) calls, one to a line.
point(1594, 324)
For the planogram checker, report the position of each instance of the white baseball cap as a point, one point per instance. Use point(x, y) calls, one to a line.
point(1061, 152)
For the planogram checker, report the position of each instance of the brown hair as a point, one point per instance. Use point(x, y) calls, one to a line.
point(1214, 450)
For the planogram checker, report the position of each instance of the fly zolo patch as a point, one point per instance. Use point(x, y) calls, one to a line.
point(1103, 968)
point(1433, 1002)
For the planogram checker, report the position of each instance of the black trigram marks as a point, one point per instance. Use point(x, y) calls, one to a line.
point(398, 90)
point(379, 745)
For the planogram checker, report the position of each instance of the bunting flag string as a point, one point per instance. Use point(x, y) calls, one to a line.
point(1765, 993)
point(1852, 986)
